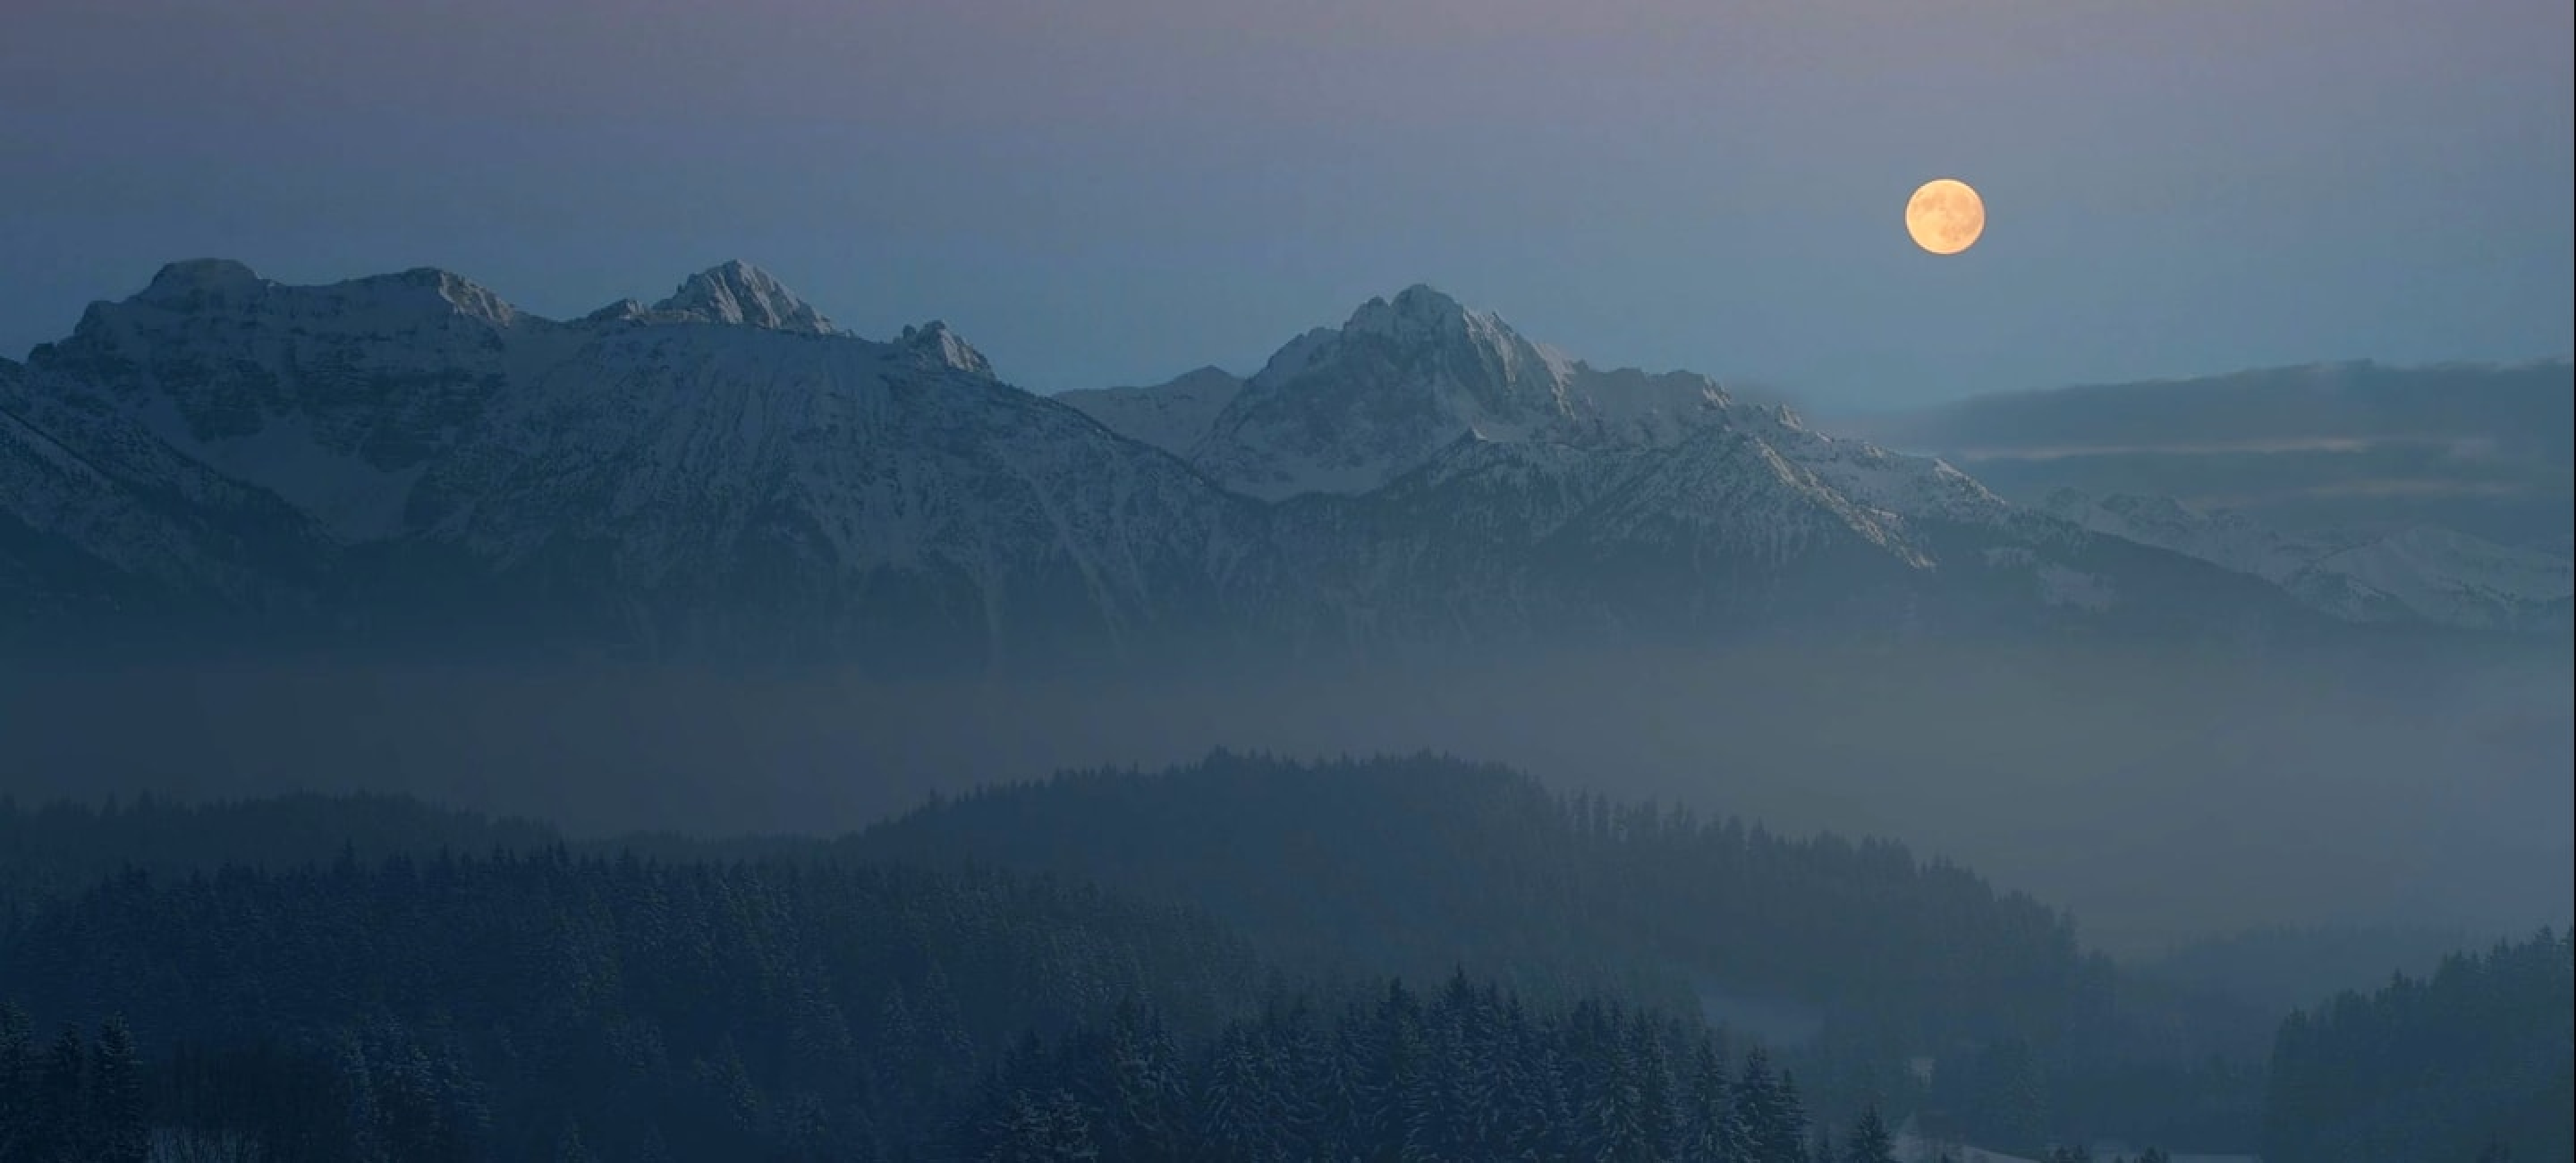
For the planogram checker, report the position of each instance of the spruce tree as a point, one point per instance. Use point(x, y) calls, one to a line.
point(1870, 1141)
point(62, 1100)
point(119, 1132)
point(18, 1080)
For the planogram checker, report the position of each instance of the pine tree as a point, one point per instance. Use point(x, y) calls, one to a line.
point(18, 1081)
point(1870, 1141)
point(1774, 1119)
point(62, 1100)
point(119, 1131)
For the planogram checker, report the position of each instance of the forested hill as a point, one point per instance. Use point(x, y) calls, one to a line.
point(554, 1008)
point(1419, 864)
point(1852, 958)
point(1859, 955)
point(2469, 1064)
point(492, 1008)
point(55, 850)
point(751, 995)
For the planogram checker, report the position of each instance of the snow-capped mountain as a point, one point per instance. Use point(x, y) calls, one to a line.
point(2419, 572)
point(1346, 410)
point(723, 464)
point(738, 292)
point(1427, 449)
point(409, 455)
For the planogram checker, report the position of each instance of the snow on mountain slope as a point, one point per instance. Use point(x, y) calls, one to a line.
point(334, 398)
point(94, 510)
point(640, 468)
point(1729, 481)
point(2437, 575)
point(1419, 398)
point(803, 467)
point(726, 468)
point(933, 345)
point(1173, 416)
point(1347, 410)
point(2454, 579)
point(739, 293)
point(1917, 487)
point(2223, 537)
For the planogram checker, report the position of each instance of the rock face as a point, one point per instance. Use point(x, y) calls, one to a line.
point(409, 458)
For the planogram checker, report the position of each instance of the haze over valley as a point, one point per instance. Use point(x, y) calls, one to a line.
point(753, 573)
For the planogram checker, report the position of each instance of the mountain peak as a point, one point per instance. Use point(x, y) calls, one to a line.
point(740, 293)
point(1425, 299)
point(938, 345)
point(196, 280)
point(1415, 310)
point(466, 296)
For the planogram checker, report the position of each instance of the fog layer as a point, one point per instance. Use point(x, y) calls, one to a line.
point(2159, 797)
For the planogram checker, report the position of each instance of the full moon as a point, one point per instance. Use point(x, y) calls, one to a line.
point(1945, 216)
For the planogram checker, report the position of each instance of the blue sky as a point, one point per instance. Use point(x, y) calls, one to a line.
point(1115, 191)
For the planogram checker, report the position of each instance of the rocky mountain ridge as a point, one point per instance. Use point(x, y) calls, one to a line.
point(728, 471)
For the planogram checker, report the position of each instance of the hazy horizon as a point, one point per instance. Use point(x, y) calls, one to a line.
point(2260, 792)
point(1157, 186)
point(1826, 404)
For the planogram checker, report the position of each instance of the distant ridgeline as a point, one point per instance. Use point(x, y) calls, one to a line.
point(407, 463)
point(343, 976)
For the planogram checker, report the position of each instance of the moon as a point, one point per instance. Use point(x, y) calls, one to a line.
point(1945, 216)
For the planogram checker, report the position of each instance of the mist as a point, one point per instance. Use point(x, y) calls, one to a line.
point(2159, 796)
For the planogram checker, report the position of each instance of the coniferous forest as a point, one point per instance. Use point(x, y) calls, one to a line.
point(1412, 958)
point(2471, 1062)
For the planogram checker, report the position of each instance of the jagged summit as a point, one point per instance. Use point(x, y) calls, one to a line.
point(1418, 308)
point(468, 297)
point(242, 438)
point(1345, 409)
point(181, 283)
point(935, 344)
point(222, 286)
point(738, 292)
point(620, 311)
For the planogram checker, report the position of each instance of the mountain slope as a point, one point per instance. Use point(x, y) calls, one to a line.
point(408, 458)
point(722, 466)
point(1428, 449)
point(847, 488)
point(2481, 449)
point(1174, 416)
point(101, 524)
point(1349, 409)
point(2436, 575)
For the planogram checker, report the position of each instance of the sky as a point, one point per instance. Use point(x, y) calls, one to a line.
point(1100, 192)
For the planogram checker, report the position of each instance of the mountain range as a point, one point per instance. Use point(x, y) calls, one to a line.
point(407, 459)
